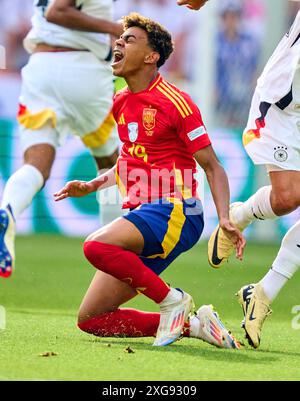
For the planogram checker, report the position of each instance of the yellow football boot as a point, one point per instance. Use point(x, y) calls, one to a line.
point(220, 248)
point(256, 308)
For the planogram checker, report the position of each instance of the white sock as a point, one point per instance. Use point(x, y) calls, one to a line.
point(172, 297)
point(194, 326)
point(287, 261)
point(257, 207)
point(273, 283)
point(110, 205)
point(21, 188)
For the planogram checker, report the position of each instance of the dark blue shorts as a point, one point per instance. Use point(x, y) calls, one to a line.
point(169, 227)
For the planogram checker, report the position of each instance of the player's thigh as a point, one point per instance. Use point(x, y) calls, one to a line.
point(285, 195)
point(122, 233)
point(105, 294)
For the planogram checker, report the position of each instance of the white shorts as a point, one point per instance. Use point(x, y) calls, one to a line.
point(273, 139)
point(67, 93)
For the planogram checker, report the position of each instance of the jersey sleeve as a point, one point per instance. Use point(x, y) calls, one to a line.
point(116, 105)
point(190, 126)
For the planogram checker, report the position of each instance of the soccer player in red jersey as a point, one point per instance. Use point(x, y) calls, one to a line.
point(163, 134)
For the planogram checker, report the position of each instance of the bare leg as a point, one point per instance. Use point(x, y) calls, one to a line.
point(285, 195)
point(23, 185)
point(41, 157)
point(105, 294)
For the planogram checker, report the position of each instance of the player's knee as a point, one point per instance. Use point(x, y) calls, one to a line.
point(284, 202)
point(96, 325)
point(98, 254)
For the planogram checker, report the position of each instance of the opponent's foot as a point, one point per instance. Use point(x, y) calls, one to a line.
point(256, 308)
point(212, 330)
point(7, 242)
point(220, 248)
point(172, 320)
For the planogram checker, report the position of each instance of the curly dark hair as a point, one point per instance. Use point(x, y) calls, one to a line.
point(159, 38)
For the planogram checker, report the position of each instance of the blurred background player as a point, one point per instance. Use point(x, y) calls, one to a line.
point(271, 138)
point(67, 87)
point(162, 134)
point(236, 65)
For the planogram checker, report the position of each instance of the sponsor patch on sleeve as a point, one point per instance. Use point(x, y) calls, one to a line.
point(196, 133)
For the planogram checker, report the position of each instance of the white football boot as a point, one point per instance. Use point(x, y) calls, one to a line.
point(212, 330)
point(173, 317)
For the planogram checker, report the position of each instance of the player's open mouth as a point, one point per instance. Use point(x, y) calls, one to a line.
point(118, 58)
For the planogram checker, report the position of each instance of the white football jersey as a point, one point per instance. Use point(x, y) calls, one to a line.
point(55, 35)
point(280, 80)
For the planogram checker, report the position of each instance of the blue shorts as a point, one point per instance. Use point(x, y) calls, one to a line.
point(169, 227)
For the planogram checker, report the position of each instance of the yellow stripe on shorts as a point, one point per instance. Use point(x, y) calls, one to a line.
point(175, 225)
point(38, 120)
point(99, 137)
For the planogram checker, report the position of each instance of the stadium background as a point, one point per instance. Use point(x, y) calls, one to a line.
point(220, 77)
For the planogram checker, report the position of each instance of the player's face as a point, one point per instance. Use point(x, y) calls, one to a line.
point(131, 52)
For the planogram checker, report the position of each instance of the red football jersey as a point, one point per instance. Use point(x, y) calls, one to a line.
point(161, 128)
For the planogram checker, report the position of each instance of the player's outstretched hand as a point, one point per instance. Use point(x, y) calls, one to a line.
point(192, 4)
point(74, 189)
point(235, 236)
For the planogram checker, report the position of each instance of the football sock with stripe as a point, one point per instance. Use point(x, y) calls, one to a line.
point(257, 207)
point(128, 267)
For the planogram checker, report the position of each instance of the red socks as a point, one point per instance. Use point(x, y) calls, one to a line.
point(126, 266)
point(124, 323)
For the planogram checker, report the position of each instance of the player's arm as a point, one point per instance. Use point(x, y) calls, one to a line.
point(192, 4)
point(219, 186)
point(77, 189)
point(65, 13)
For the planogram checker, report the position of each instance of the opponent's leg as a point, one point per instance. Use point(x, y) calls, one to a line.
point(19, 191)
point(256, 298)
point(23, 185)
point(270, 202)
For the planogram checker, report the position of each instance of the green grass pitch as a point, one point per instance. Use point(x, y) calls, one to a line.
point(42, 298)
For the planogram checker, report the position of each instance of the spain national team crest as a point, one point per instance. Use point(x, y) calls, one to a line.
point(133, 131)
point(149, 118)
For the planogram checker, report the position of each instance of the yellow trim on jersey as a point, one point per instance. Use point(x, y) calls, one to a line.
point(175, 226)
point(155, 83)
point(38, 120)
point(122, 120)
point(99, 137)
point(178, 97)
point(178, 107)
